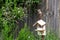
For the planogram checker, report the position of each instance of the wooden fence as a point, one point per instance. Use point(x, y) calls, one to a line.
point(53, 16)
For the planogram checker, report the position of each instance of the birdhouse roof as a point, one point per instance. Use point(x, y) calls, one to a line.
point(41, 22)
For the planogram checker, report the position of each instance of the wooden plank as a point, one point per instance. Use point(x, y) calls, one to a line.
point(53, 17)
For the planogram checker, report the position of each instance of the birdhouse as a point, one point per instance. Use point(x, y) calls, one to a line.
point(40, 27)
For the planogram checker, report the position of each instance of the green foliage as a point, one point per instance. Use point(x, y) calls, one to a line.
point(8, 18)
point(18, 12)
point(51, 36)
point(5, 31)
point(37, 1)
point(25, 34)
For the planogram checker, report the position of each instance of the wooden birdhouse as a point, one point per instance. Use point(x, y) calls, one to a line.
point(40, 27)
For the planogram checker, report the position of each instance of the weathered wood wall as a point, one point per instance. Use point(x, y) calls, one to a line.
point(59, 16)
point(53, 16)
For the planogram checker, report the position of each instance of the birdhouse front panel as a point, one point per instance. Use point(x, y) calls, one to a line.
point(41, 31)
